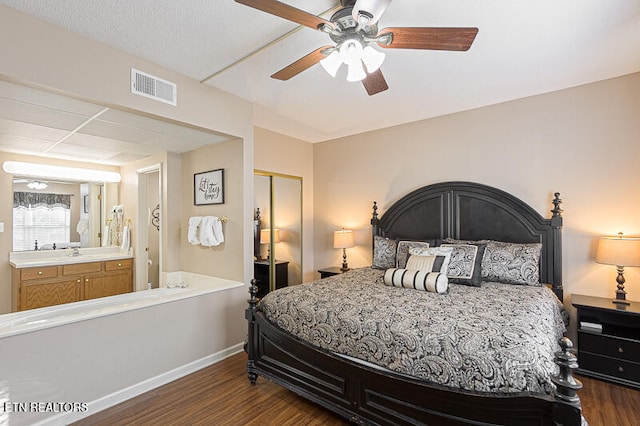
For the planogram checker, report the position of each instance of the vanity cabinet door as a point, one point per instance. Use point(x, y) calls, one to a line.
point(108, 283)
point(38, 294)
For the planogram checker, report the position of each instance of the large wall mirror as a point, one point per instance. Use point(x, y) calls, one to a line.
point(57, 214)
point(277, 230)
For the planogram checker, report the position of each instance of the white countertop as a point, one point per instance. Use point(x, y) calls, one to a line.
point(30, 259)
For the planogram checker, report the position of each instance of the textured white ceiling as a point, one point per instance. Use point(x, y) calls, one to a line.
point(523, 48)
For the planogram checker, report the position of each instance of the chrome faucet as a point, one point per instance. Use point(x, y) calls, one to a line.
point(76, 252)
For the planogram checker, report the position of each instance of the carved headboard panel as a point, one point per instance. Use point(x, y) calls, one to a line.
point(472, 211)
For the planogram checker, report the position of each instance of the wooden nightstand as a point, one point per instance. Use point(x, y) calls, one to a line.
point(329, 272)
point(261, 274)
point(608, 339)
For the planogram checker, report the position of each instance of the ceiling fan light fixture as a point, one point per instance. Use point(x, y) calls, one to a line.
point(37, 185)
point(331, 63)
point(351, 51)
point(356, 71)
point(372, 58)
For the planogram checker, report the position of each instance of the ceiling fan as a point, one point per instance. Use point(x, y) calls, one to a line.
point(354, 30)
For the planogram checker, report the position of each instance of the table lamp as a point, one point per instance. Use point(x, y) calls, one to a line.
point(621, 252)
point(343, 239)
point(265, 238)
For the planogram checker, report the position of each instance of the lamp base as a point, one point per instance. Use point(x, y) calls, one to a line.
point(345, 266)
point(621, 295)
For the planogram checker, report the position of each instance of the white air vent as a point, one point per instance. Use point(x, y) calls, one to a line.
point(147, 85)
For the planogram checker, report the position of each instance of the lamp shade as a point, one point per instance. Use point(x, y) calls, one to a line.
point(343, 239)
point(265, 236)
point(618, 251)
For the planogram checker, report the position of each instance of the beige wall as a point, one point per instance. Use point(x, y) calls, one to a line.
point(278, 153)
point(222, 260)
point(582, 142)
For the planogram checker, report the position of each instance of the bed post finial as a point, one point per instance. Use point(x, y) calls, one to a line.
point(557, 211)
point(566, 385)
point(253, 291)
point(374, 221)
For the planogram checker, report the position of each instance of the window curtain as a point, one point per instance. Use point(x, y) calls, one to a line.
point(37, 199)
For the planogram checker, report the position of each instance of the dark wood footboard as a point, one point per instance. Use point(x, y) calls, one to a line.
point(366, 395)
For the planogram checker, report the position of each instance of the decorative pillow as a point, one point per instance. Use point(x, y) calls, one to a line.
point(384, 253)
point(431, 251)
point(402, 254)
point(512, 263)
point(435, 282)
point(425, 263)
point(465, 266)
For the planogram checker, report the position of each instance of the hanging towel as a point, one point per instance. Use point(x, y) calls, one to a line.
point(126, 239)
point(207, 238)
point(105, 236)
point(217, 231)
point(83, 227)
point(194, 230)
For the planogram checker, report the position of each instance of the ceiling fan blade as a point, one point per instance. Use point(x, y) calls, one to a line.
point(429, 38)
point(375, 83)
point(301, 64)
point(287, 12)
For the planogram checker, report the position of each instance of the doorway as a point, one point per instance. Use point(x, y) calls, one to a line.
point(149, 253)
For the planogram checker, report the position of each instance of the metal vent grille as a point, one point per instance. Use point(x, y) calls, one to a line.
point(149, 86)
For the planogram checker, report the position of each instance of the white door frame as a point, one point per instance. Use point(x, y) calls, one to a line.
point(141, 252)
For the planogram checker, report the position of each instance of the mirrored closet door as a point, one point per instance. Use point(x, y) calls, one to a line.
point(277, 230)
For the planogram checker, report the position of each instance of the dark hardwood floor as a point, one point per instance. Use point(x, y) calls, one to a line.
point(221, 395)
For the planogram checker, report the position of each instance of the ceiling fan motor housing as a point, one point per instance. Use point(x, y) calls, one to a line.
point(348, 27)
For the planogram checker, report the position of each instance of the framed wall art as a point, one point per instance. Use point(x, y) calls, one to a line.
point(208, 187)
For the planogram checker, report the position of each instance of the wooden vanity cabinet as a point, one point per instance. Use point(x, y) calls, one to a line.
point(54, 285)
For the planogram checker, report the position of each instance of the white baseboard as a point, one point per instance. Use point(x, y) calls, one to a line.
point(142, 387)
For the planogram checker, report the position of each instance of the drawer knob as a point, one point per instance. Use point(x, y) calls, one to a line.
point(86, 280)
point(620, 350)
point(620, 369)
point(119, 264)
point(78, 281)
point(39, 272)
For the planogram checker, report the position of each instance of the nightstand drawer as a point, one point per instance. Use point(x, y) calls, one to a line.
point(608, 346)
point(609, 366)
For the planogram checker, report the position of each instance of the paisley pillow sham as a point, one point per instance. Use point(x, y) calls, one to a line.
point(465, 266)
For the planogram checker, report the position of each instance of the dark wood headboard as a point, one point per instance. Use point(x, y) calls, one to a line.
point(472, 211)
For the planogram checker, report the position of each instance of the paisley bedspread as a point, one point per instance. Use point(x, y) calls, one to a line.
point(497, 338)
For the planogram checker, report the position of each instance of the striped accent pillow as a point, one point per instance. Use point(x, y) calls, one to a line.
point(432, 251)
point(434, 282)
point(426, 263)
